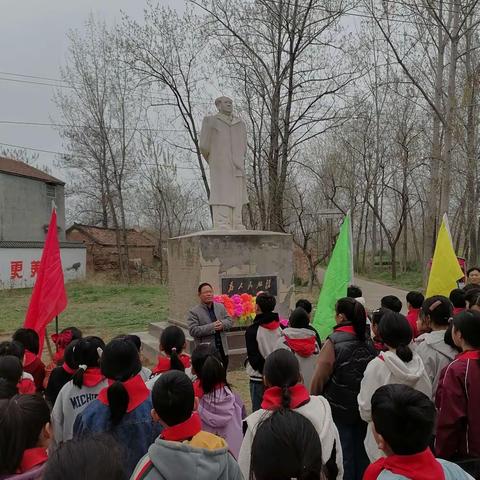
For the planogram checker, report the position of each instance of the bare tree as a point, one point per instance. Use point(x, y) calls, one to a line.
point(285, 56)
point(438, 29)
point(168, 52)
point(101, 111)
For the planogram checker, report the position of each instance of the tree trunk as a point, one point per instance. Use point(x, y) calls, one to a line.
point(451, 113)
point(393, 254)
point(472, 170)
point(435, 160)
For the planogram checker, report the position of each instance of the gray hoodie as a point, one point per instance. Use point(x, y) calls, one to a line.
point(167, 460)
point(435, 354)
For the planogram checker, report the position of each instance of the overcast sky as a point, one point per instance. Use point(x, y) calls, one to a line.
point(34, 44)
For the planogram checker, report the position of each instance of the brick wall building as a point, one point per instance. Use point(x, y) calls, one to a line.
point(102, 250)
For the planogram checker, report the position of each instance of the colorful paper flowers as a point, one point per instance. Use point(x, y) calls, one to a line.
point(240, 307)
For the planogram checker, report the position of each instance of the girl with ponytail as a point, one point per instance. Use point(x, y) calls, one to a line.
point(221, 410)
point(172, 344)
point(122, 408)
point(435, 352)
point(86, 382)
point(25, 436)
point(341, 364)
point(61, 375)
point(398, 365)
point(284, 391)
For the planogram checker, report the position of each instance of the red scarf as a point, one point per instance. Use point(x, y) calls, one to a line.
point(28, 358)
point(61, 340)
point(457, 310)
point(32, 457)
point(136, 389)
point(346, 329)
point(273, 325)
point(469, 355)
point(163, 364)
point(303, 346)
point(69, 370)
point(26, 386)
point(421, 466)
point(379, 345)
point(197, 388)
point(92, 376)
point(272, 398)
point(58, 356)
point(183, 431)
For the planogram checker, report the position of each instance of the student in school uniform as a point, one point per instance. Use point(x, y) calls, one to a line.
point(435, 353)
point(397, 365)
point(458, 397)
point(183, 450)
point(284, 391)
point(172, 346)
point(300, 340)
point(261, 339)
point(220, 408)
point(342, 362)
point(403, 420)
point(122, 409)
point(81, 390)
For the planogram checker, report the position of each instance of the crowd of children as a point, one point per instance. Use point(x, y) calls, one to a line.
point(381, 398)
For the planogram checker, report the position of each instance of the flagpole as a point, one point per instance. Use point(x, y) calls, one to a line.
point(54, 207)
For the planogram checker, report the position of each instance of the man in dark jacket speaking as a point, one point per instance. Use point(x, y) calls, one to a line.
point(208, 321)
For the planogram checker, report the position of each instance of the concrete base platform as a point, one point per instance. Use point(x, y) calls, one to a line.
point(151, 340)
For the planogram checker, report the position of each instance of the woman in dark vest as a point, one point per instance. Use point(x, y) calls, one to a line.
point(341, 364)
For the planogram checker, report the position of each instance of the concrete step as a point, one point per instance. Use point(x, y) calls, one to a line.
point(156, 328)
point(150, 344)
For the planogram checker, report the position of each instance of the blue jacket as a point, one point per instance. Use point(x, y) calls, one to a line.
point(135, 432)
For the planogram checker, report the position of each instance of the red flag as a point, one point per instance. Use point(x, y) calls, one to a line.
point(48, 296)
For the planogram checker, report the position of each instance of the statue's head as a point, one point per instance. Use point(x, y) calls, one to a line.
point(224, 105)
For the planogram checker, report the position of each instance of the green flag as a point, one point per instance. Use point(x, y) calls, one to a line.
point(336, 281)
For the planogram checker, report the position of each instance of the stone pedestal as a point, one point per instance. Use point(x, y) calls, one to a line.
point(232, 262)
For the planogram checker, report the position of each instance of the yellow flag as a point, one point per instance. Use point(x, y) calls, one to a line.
point(445, 268)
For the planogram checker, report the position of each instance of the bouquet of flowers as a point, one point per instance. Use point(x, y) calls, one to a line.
point(240, 307)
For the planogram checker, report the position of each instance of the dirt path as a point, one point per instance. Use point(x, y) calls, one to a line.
point(373, 292)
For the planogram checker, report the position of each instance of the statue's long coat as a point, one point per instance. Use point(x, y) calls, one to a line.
point(223, 143)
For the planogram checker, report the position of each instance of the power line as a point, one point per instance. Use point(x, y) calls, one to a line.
point(58, 80)
point(58, 85)
point(63, 154)
point(64, 125)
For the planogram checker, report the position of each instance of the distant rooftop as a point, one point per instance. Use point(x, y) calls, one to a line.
point(22, 169)
point(107, 236)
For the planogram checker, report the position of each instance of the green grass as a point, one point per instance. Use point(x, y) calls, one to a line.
point(409, 280)
point(102, 309)
point(105, 310)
